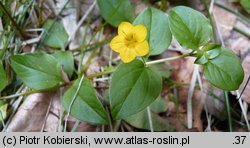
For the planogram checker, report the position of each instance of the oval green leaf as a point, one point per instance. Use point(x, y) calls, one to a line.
point(191, 28)
point(86, 106)
point(133, 87)
point(115, 11)
point(38, 71)
point(157, 24)
point(55, 34)
point(3, 77)
point(224, 71)
point(65, 58)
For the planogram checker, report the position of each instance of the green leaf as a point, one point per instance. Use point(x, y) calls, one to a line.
point(38, 71)
point(86, 107)
point(246, 5)
point(3, 77)
point(163, 69)
point(65, 58)
point(158, 105)
point(141, 120)
point(224, 71)
point(133, 87)
point(115, 11)
point(157, 24)
point(56, 36)
point(207, 53)
point(191, 28)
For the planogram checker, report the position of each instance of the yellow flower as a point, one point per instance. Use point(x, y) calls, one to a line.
point(130, 41)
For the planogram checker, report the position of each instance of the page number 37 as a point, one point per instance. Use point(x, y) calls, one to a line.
point(239, 139)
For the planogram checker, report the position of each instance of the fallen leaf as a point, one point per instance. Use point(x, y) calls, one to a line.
point(225, 21)
point(31, 114)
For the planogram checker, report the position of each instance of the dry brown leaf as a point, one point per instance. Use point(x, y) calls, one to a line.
point(246, 67)
point(214, 105)
point(182, 71)
point(139, 6)
point(224, 21)
point(31, 114)
point(53, 120)
point(241, 46)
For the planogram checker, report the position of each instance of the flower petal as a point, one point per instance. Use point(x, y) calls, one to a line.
point(142, 48)
point(124, 28)
point(127, 55)
point(117, 43)
point(140, 32)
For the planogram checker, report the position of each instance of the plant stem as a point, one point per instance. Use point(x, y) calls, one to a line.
point(168, 59)
point(19, 31)
point(228, 112)
point(20, 94)
point(72, 102)
point(229, 9)
point(241, 31)
point(100, 74)
point(28, 93)
point(40, 13)
point(212, 22)
point(97, 75)
point(150, 119)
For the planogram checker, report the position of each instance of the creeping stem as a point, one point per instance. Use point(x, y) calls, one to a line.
point(169, 59)
point(100, 74)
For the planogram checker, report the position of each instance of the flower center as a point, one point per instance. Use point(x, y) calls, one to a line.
point(130, 41)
